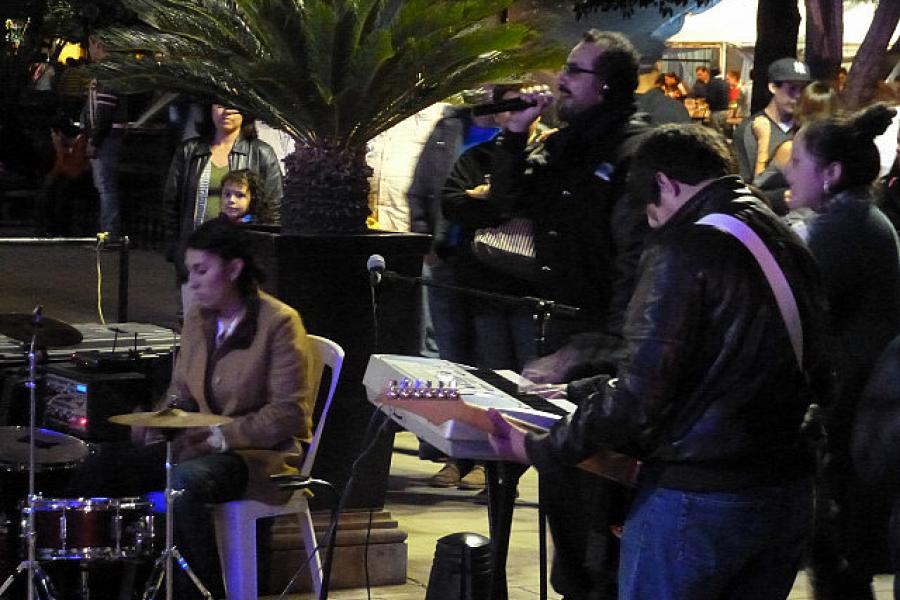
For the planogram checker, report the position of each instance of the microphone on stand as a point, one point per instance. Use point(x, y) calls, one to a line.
point(375, 266)
point(492, 108)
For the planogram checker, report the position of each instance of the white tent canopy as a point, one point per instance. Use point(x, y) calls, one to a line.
point(734, 21)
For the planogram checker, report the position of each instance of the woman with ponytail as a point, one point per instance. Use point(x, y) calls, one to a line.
point(833, 165)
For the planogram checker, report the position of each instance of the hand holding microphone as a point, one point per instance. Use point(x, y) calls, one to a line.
point(539, 97)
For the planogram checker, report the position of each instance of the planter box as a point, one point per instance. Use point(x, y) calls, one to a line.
point(325, 278)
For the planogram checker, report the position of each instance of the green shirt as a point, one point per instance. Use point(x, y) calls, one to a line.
point(214, 198)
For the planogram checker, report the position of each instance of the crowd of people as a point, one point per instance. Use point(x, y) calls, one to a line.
point(734, 377)
point(737, 302)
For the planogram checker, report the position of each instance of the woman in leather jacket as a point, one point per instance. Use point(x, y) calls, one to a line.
point(227, 142)
point(833, 164)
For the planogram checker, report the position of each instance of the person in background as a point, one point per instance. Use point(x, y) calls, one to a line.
point(447, 311)
point(833, 164)
point(673, 86)
point(239, 192)
point(889, 190)
point(193, 189)
point(701, 82)
point(757, 137)
point(817, 101)
point(652, 100)
point(717, 100)
point(736, 97)
point(104, 119)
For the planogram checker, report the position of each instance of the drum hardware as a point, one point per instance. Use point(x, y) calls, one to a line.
point(169, 421)
point(43, 333)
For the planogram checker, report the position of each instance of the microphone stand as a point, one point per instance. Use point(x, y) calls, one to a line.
point(504, 477)
point(541, 308)
point(36, 576)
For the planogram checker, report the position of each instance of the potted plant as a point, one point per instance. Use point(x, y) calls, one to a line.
point(332, 74)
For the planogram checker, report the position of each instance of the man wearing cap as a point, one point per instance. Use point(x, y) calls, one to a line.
point(757, 137)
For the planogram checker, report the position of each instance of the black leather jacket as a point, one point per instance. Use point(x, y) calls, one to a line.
point(710, 396)
point(190, 159)
point(588, 236)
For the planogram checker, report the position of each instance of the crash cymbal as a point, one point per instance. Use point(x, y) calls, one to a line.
point(170, 418)
point(51, 333)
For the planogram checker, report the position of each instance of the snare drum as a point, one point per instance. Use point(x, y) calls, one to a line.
point(91, 528)
point(52, 450)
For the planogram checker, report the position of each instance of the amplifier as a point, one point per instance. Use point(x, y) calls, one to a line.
point(80, 402)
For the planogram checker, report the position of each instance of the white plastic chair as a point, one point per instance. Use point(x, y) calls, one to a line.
point(235, 521)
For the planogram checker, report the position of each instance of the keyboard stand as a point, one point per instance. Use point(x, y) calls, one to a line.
point(502, 482)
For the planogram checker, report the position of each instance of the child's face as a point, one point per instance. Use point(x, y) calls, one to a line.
point(235, 200)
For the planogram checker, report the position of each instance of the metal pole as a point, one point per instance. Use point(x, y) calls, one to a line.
point(124, 264)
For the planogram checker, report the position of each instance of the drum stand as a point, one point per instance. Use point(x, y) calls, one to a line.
point(162, 568)
point(37, 579)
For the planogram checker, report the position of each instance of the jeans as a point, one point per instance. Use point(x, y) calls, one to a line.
point(449, 316)
point(121, 469)
point(105, 171)
point(504, 338)
point(680, 545)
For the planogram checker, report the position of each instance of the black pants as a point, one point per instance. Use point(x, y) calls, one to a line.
point(122, 469)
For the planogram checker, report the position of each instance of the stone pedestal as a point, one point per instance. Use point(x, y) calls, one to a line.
point(380, 548)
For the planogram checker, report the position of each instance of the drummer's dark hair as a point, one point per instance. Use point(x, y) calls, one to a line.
point(229, 241)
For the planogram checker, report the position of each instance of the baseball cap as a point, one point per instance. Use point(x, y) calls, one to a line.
point(788, 69)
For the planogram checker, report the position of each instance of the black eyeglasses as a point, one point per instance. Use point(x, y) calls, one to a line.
point(570, 69)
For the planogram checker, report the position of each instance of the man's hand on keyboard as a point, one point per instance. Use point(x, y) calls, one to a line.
point(507, 440)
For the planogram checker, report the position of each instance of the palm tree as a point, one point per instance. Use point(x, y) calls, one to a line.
point(331, 73)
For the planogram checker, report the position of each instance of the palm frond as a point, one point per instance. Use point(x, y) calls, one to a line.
point(335, 70)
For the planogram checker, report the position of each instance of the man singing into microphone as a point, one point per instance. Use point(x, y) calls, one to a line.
point(587, 240)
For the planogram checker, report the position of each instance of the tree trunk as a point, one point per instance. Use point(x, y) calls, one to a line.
point(777, 25)
point(824, 37)
point(867, 67)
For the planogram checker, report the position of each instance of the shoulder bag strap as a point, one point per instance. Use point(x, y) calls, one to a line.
point(784, 296)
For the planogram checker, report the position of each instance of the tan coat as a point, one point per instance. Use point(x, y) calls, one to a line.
point(261, 376)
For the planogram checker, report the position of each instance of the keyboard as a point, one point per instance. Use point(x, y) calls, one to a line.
point(489, 389)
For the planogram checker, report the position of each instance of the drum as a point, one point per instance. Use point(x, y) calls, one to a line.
point(52, 450)
point(91, 528)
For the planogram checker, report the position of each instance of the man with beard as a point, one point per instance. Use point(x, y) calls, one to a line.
point(587, 240)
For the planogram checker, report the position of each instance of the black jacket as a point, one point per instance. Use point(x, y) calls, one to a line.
point(466, 215)
point(710, 396)
point(587, 234)
point(191, 157)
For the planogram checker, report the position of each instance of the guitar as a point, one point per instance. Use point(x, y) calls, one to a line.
point(442, 404)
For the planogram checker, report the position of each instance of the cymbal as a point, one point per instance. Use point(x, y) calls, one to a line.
point(170, 418)
point(51, 333)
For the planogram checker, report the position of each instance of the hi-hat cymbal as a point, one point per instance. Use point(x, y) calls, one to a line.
point(51, 333)
point(170, 418)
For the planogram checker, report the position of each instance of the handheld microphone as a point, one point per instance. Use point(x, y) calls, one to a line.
point(492, 108)
point(375, 265)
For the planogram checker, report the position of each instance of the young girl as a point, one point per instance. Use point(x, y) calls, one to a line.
point(240, 190)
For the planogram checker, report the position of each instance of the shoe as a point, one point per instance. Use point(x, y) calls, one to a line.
point(474, 479)
point(448, 476)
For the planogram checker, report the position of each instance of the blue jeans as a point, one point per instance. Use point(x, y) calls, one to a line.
point(504, 338)
point(715, 545)
point(121, 469)
point(453, 329)
point(105, 171)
